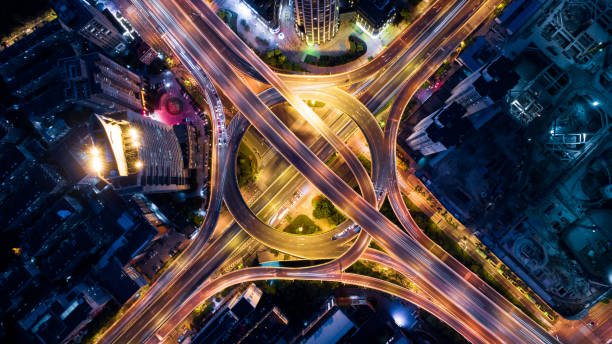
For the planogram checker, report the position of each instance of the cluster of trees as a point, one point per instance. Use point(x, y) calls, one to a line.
point(245, 25)
point(367, 164)
point(366, 269)
point(441, 329)
point(228, 17)
point(246, 167)
point(325, 209)
point(315, 103)
point(102, 322)
point(406, 12)
point(201, 315)
point(302, 224)
point(357, 48)
point(262, 41)
point(196, 219)
point(442, 69)
point(276, 59)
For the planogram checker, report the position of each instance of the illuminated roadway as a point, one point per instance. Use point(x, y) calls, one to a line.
point(300, 154)
point(426, 268)
point(316, 246)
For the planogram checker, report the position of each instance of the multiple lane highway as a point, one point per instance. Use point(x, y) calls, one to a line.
point(194, 34)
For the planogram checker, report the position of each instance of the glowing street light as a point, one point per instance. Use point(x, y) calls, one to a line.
point(96, 162)
point(138, 164)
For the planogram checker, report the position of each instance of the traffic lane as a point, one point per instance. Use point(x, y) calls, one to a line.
point(283, 241)
point(307, 162)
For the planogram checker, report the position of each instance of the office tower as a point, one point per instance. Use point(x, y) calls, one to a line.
point(441, 130)
point(136, 154)
point(90, 23)
point(97, 82)
point(470, 105)
point(316, 21)
point(486, 86)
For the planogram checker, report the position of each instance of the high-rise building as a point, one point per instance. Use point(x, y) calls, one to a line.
point(317, 21)
point(90, 23)
point(136, 154)
point(486, 86)
point(374, 16)
point(219, 328)
point(97, 82)
point(470, 105)
point(439, 131)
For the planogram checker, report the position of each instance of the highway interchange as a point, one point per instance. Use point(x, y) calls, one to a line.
point(209, 49)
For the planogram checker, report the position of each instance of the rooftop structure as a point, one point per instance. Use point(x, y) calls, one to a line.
point(486, 86)
point(268, 329)
point(247, 302)
point(374, 15)
point(517, 14)
point(267, 11)
point(97, 82)
point(90, 23)
point(146, 54)
point(440, 130)
point(137, 154)
point(60, 318)
point(579, 30)
point(27, 67)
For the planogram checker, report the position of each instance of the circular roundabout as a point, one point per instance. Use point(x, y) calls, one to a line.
point(312, 246)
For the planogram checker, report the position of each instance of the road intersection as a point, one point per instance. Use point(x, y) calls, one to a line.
point(195, 34)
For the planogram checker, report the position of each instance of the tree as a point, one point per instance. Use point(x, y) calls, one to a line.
point(406, 14)
point(322, 207)
point(365, 162)
point(325, 209)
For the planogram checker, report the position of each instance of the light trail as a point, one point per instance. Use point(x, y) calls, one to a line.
point(425, 265)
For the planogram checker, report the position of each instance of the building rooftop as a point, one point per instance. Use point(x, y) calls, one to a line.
point(375, 12)
point(331, 328)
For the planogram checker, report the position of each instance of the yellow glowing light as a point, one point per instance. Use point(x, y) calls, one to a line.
point(138, 164)
point(95, 151)
point(96, 164)
point(133, 132)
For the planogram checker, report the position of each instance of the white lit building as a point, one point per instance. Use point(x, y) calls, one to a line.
point(317, 21)
point(136, 154)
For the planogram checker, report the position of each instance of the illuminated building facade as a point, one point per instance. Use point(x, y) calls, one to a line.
point(136, 154)
point(317, 21)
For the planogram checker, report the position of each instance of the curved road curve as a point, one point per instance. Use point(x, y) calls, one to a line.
point(317, 246)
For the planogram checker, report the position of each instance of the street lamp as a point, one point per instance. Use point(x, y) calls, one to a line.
point(96, 162)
